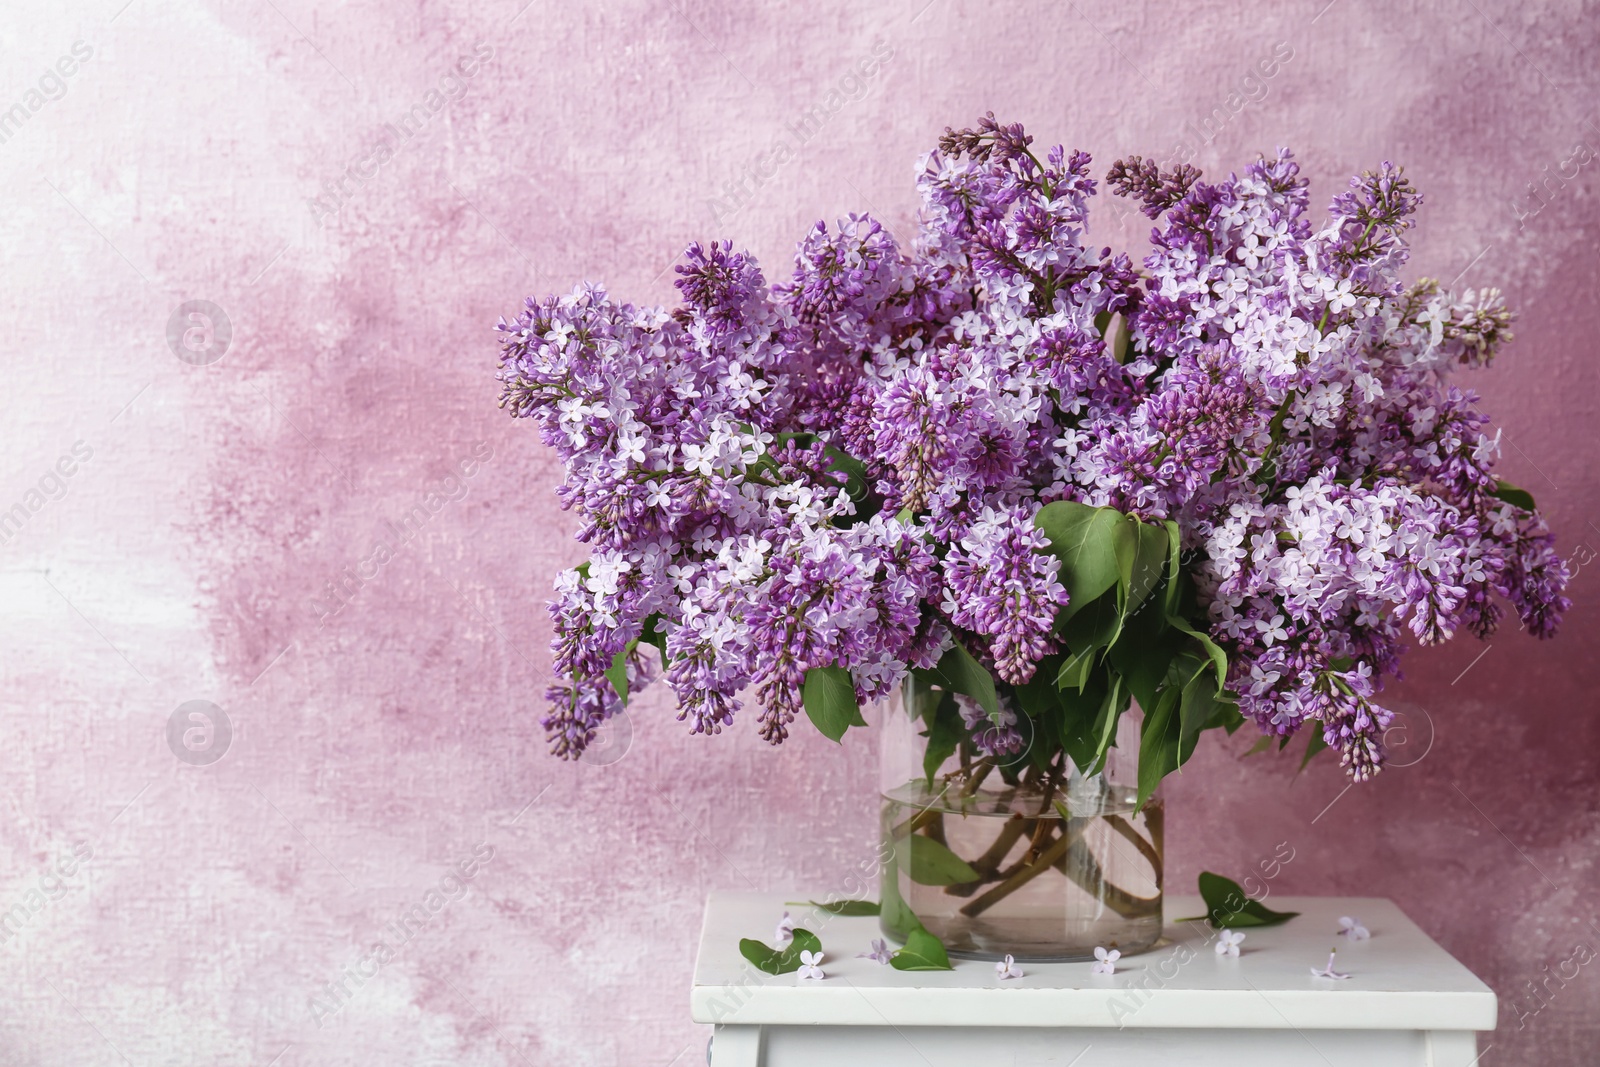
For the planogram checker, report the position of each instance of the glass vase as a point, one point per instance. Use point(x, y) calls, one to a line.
point(1015, 853)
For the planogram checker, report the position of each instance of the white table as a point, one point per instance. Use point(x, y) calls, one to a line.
point(1408, 1003)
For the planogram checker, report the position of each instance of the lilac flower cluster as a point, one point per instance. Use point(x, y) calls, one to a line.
point(842, 470)
point(1000, 583)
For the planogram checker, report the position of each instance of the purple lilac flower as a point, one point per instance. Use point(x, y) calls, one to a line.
point(1000, 581)
point(995, 735)
point(1279, 390)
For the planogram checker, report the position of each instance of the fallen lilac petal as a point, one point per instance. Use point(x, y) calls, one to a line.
point(1329, 971)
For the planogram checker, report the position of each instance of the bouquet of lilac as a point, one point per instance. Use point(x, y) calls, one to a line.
point(1022, 469)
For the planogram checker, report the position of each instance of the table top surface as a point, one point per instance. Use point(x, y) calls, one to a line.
point(1399, 978)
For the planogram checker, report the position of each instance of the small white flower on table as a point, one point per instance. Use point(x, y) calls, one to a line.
point(1105, 962)
point(1352, 929)
point(1328, 971)
point(811, 966)
point(1228, 942)
point(880, 951)
point(1007, 968)
point(785, 932)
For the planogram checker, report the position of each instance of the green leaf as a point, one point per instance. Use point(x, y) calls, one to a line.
point(1085, 703)
point(932, 863)
point(1261, 745)
point(1158, 743)
point(1188, 704)
point(847, 907)
point(1147, 554)
point(1144, 650)
point(1189, 662)
point(894, 912)
point(1226, 716)
point(1125, 546)
point(830, 699)
point(779, 961)
point(1096, 626)
point(1218, 657)
point(1228, 907)
point(1075, 670)
point(958, 672)
point(1089, 748)
point(922, 699)
point(1081, 717)
point(1174, 567)
point(1512, 495)
point(617, 673)
point(855, 472)
point(858, 485)
point(1041, 748)
point(1195, 710)
point(1041, 704)
point(1114, 331)
point(1314, 744)
point(923, 952)
point(650, 633)
point(1253, 913)
point(1085, 540)
point(944, 736)
point(1037, 696)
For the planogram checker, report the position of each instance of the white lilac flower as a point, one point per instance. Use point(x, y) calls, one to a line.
point(1352, 929)
point(1228, 942)
point(811, 966)
point(1007, 968)
point(1105, 961)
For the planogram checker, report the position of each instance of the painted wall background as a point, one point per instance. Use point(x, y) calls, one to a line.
point(173, 912)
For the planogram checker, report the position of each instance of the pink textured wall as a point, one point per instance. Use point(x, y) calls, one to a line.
point(385, 747)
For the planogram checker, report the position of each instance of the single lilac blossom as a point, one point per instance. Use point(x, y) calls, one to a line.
point(811, 966)
point(1105, 962)
point(785, 931)
point(1352, 929)
point(880, 952)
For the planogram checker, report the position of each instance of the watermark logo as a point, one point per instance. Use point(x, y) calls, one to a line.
point(1544, 192)
point(52, 485)
point(199, 733)
point(50, 887)
point(389, 141)
point(611, 741)
point(52, 86)
point(1024, 728)
point(396, 536)
point(1251, 89)
point(199, 332)
point(1409, 737)
point(326, 1003)
point(1541, 989)
point(738, 192)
